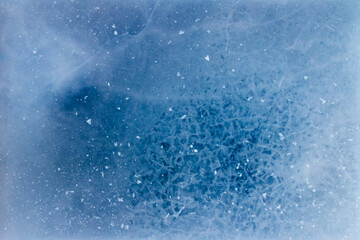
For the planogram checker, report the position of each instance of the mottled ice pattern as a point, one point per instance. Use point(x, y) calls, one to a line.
point(179, 119)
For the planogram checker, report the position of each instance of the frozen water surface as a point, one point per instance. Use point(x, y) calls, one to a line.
point(179, 119)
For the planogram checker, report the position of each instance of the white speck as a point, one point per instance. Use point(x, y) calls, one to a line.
point(208, 31)
point(138, 181)
point(113, 26)
point(215, 172)
point(306, 77)
point(249, 99)
point(281, 136)
point(119, 154)
point(127, 98)
point(191, 146)
point(57, 208)
point(138, 137)
point(108, 84)
point(170, 109)
point(184, 86)
point(89, 121)
point(196, 20)
point(262, 100)
point(178, 74)
point(233, 70)
point(102, 174)
point(195, 150)
point(120, 200)
point(118, 108)
point(34, 51)
point(264, 195)
point(128, 89)
point(223, 86)
point(207, 58)
point(322, 101)
point(116, 33)
point(183, 117)
point(292, 166)
point(181, 32)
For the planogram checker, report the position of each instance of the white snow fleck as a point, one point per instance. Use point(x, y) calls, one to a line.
point(183, 117)
point(281, 136)
point(120, 200)
point(195, 150)
point(178, 74)
point(116, 33)
point(249, 99)
point(89, 121)
point(138, 137)
point(34, 51)
point(118, 108)
point(170, 109)
point(208, 31)
point(127, 98)
point(181, 32)
point(138, 181)
point(207, 58)
point(322, 101)
point(306, 77)
point(113, 26)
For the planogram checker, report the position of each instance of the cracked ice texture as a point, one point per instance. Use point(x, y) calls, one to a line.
point(179, 119)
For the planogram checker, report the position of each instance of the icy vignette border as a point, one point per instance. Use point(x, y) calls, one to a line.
point(255, 139)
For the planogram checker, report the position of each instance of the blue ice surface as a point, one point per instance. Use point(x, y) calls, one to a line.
point(179, 119)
